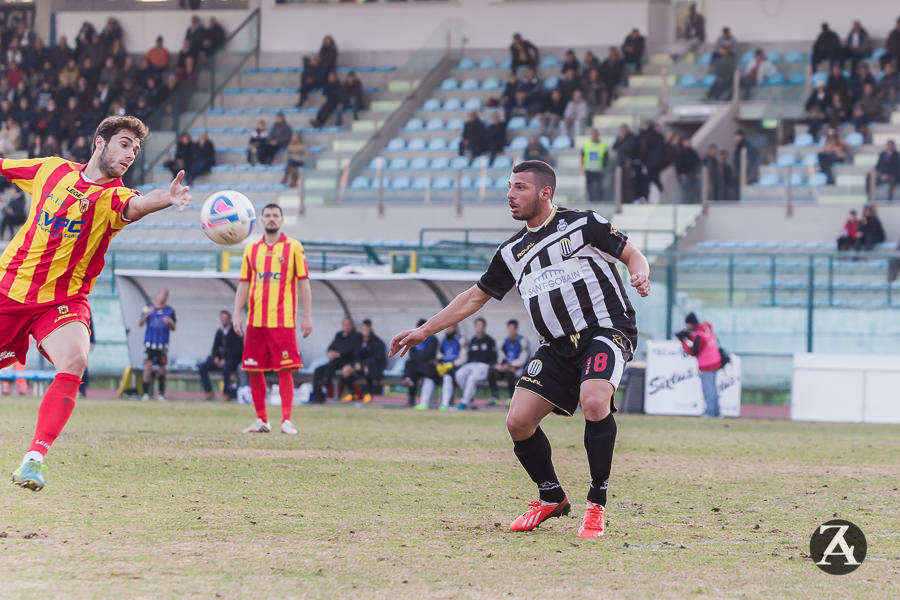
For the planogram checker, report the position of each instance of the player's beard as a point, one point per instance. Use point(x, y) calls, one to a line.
point(535, 210)
point(107, 167)
point(272, 229)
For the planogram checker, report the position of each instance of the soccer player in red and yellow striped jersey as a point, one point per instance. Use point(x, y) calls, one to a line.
point(273, 272)
point(49, 267)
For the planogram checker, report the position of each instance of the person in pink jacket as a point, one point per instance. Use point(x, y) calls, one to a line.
point(699, 339)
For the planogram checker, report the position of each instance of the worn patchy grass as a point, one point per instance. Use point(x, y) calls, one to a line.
point(147, 500)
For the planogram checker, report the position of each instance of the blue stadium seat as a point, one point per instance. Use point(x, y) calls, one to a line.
point(359, 183)
point(855, 139)
point(798, 78)
point(455, 124)
point(487, 63)
point(421, 183)
point(501, 183)
point(817, 180)
point(819, 76)
point(400, 183)
point(431, 105)
point(774, 56)
point(548, 62)
point(434, 124)
point(396, 144)
point(373, 164)
point(797, 179)
point(534, 123)
point(516, 123)
point(773, 80)
point(490, 84)
point(804, 140)
point(704, 60)
point(466, 64)
point(452, 104)
point(440, 162)
point(551, 82)
point(419, 162)
point(479, 162)
point(707, 80)
point(505, 63)
point(473, 104)
point(562, 142)
point(794, 56)
point(469, 85)
point(483, 182)
point(414, 124)
point(785, 160)
point(518, 143)
point(460, 162)
point(811, 160)
point(687, 81)
point(466, 183)
point(767, 180)
point(501, 161)
point(416, 145)
point(398, 162)
point(449, 84)
point(877, 54)
point(437, 144)
point(545, 141)
point(746, 57)
point(442, 183)
point(454, 143)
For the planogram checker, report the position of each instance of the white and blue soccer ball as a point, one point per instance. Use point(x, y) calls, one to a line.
point(227, 217)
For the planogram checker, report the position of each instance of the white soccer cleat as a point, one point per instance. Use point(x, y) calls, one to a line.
point(288, 427)
point(145, 398)
point(160, 398)
point(258, 426)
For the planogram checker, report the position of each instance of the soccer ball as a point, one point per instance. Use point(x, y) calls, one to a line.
point(227, 217)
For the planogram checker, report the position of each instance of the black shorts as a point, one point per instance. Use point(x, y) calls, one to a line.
point(158, 357)
point(558, 368)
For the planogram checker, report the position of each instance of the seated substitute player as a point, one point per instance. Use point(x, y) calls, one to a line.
point(340, 353)
point(563, 265)
point(160, 321)
point(515, 354)
point(273, 272)
point(369, 362)
point(48, 270)
point(452, 354)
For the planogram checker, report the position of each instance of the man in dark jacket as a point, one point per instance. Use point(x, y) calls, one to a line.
point(892, 47)
point(203, 158)
point(351, 96)
point(633, 49)
point(714, 172)
point(740, 143)
point(870, 232)
point(625, 146)
point(313, 77)
point(225, 356)
point(495, 136)
point(13, 215)
point(858, 45)
point(723, 68)
point(333, 92)
point(887, 170)
point(214, 38)
point(482, 355)
point(341, 351)
point(649, 159)
point(369, 362)
point(420, 364)
point(687, 167)
point(826, 47)
point(472, 136)
point(522, 52)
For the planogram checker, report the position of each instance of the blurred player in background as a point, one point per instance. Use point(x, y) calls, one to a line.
point(49, 268)
point(273, 272)
point(562, 264)
point(160, 321)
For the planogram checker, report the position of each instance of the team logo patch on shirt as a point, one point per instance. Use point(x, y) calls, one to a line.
point(63, 309)
point(565, 246)
point(83, 205)
point(550, 278)
point(534, 367)
point(562, 226)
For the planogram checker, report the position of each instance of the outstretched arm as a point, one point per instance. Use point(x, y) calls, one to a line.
point(638, 267)
point(177, 195)
point(464, 305)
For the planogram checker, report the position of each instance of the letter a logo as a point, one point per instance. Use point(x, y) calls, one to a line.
point(838, 547)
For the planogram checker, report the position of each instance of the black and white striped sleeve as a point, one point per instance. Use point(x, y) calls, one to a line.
point(497, 280)
point(602, 235)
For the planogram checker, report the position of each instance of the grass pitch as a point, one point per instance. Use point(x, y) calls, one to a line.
point(149, 500)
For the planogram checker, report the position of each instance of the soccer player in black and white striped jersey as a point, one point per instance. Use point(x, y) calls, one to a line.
point(562, 264)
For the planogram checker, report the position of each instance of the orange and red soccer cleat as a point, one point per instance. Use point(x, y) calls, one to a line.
point(538, 513)
point(594, 522)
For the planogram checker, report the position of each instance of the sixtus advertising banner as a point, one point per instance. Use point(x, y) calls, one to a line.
point(12, 14)
point(672, 383)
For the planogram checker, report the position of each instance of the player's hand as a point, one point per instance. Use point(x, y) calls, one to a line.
point(641, 283)
point(306, 326)
point(237, 323)
point(405, 340)
point(179, 195)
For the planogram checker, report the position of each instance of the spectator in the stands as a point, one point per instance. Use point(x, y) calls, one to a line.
point(861, 76)
point(870, 232)
point(613, 70)
point(838, 111)
point(117, 53)
point(195, 35)
point(887, 170)
point(625, 147)
point(225, 356)
point(68, 75)
point(279, 136)
point(80, 150)
point(570, 62)
point(723, 68)
point(215, 37)
point(43, 146)
point(713, 173)
point(184, 154)
point(726, 41)
point(495, 136)
point(84, 36)
point(313, 77)
point(858, 45)
point(10, 137)
point(256, 149)
point(816, 106)
point(340, 352)
point(590, 62)
point(158, 57)
point(741, 147)
point(63, 53)
point(110, 74)
point(13, 214)
point(833, 151)
point(756, 72)
point(531, 84)
point(352, 95)
point(203, 158)
point(575, 117)
point(867, 110)
point(297, 153)
point(892, 47)
point(687, 167)
point(552, 114)
point(848, 233)
point(369, 362)
point(508, 97)
point(695, 27)
point(568, 84)
point(595, 91)
point(185, 61)
point(594, 160)
point(111, 32)
point(522, 52)
point(648, 159)
point(837, 83)
point(333, 92)
point(328, 54)
point(889, 85)
point(535, 150)
point(729, 180)
point(472, 136)
point(827, 47)
point(633, 49)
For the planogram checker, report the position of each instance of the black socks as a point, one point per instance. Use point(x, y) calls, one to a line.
point(599, 440)
point(534, 454)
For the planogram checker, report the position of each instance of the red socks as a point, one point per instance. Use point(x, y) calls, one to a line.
point(286, 390)
point(56, 407)
point(258, 391)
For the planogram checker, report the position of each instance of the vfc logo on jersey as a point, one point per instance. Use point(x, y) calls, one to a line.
point(565, 246)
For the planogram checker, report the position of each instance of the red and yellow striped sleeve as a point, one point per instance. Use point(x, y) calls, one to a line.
point(299, 257)
point(246, 266)
point(21, 172)
point(121, 196)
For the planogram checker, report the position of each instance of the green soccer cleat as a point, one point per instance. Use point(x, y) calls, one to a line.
point(30, 475)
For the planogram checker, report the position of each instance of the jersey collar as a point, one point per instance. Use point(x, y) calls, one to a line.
point(544, 224)
point(278, 241)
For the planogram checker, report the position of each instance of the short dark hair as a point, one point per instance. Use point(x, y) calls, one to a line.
point(512, 322)
point(110, 126)
point(691, 319)
point(482, 319)
point(224, 312)
point(544, 175)
point(367, 322)
point(272, 205)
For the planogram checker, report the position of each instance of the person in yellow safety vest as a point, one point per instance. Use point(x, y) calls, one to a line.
point(594, 158)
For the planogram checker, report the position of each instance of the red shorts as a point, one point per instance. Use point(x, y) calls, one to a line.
point(271, 349)
point(18, 321)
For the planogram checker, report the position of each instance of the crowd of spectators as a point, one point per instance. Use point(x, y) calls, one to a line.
point(320, 73)
point(861, 234)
